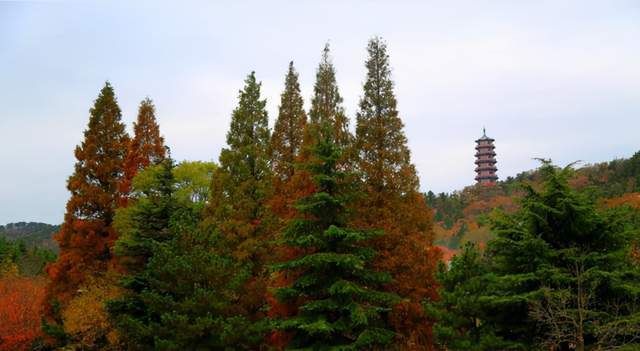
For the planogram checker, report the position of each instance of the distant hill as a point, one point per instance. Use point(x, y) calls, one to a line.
point(33, 234)
point(461, 216)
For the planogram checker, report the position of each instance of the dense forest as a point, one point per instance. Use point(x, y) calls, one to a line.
point(313, 234)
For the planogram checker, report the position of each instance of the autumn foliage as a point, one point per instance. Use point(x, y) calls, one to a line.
point(86, 235)
point(307, 236)
point(393, 202)
point(21, 301)
point(146, 147)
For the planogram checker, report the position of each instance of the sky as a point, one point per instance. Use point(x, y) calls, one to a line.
point(554, 79)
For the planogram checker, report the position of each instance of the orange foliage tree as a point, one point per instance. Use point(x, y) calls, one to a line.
point(87, 235)
point(393, 202)
point(20, 311)
point(146, 147)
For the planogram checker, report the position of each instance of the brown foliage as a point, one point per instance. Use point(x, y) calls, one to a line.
point(393, 202)
point(21, 301)
point(146, 147)
point(86, 235)
point(289, 138)
point(630, 199)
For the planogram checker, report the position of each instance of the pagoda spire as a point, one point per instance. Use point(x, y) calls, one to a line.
point(486, 160)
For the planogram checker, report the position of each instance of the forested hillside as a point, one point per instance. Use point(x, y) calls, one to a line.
point(31, 233)
point(461, 216)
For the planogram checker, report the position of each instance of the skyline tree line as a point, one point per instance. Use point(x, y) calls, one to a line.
point(115, 229)
point(308, 236)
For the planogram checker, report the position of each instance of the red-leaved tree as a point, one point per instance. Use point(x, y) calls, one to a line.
point(146, 148)
point(20, 311)
point(87, 235)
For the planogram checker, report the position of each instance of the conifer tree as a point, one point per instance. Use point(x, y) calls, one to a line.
point(288, 131)
point(562, 269)
point(146, 147)
point(326, 105)
point(393, 201)
point(142, 226)
point(240, 187)
point(341, 304)
point(179, 293)
point(460, 311)
point(87, 235)
point(290, 183)
point(559, 275)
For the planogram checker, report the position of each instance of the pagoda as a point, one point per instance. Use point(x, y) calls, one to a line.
point(485, 160)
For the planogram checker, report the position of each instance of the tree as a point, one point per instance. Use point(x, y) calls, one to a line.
point(85, 318)
point(142, 226)
point(290, 183)
point(562, 269)
point(459, 312)
point(393, 201)
point(326, 106)
point(183, 295)
point(87, 234)
point(146, 147)
point(240, 189)
point(340, 304)
point(20, 311)
point(288, 132)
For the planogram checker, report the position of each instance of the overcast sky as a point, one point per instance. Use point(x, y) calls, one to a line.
point(554, 79)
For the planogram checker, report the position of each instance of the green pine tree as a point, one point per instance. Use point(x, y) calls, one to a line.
point(179, 293)
point(342, 306)
point(559, 276)
point(459, 312)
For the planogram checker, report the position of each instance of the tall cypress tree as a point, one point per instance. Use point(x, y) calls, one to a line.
point(288, 131)
point(341, 307)
point(326, 105)
point(240, 187)
point(147, 146)
point(393, 201)
point(87, 235)
point(290, 183)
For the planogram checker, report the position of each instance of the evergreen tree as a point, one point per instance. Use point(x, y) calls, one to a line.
point(341, 305)
point(459, 311)
point(240, 188)
point(559, 257)
point(241, 184)
point(87, 235)
point(179, 293)
point(393, 201)
point(290, 183)
point(558, 276)
point(142, 226)
point(146, 147)
point(326, 106)
point(288, 131)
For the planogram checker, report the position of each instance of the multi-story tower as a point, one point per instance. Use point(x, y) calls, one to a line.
point(486, 160)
